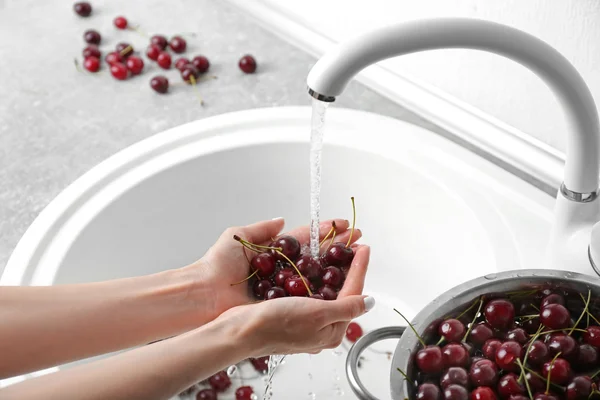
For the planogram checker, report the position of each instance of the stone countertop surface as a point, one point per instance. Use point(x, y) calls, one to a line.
point(56, 123)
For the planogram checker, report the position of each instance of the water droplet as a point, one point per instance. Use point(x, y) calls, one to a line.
point(231, 370)
point(490, 277)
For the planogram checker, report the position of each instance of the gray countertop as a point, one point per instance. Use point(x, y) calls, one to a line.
point(56, 123)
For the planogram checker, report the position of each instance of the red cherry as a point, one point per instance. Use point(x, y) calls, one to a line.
point(545, 396)
point(456, 392)
point(261, 364)
point(353, 332)
point(490, 347)
point(120, 22)
point(220, 381)
point(207, 394)
point(484, 373)
point(112, 58)
point(83, 8)
point(560, 371)
point(328, 293)
point(181, 63)
point(153, 51)
point(264, 264)
point(428, 391)
point(535, 382)
point(244, 393)
point(124, 49)
point(317, 296)
point(587, 358)
point(579, 388)
point(499, 313)
point(92, 64)
point(538, 353)
point(592, 335)
point(135, 65)
point(310, 268)
point(455, 375)
point(247, 64)
point(260, 288)
point(480, 333)
point(91, 51)
point(517, 335)
point(295, 286)
point(160, 41)
point(509, 385)
point(455, 355)
point(290, 248)
point(333, 276)
point(178, 44)
point(275, 292)
point(119, 71)
point(555, 316)
point(430, 360)
point(92, 37)
point(483, 393)
point(164, 60)
point(552, 299)
point(452, 330)
point(564, 344)
point(201, 63)
point(338, 255)
point(159, 84)
point(507, 355)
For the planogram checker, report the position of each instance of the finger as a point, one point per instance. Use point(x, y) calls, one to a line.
point(346, 308)
point(303, 233)
point(355, 281)
point(344, 236)
point(262, 231)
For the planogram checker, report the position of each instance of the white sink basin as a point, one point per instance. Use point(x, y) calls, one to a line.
point(434, 213)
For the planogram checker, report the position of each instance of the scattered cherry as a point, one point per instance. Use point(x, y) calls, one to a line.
point(592, 335)
point(555, 316)
point(260, 288)
point(247, 64)
point(499, 313)
point(428, 391)
point(124, 49)
point(507, 355)
point(207, 394)
point(275, 292)
point(178, 44)
point(83, 8)
point(220, 381)
point(181, 63)
point(160, 41)
point(120, 22)
point(119, 71)
point(353, 332)
point(455, 375)
point(328, 293)
point(338, 255)
point(159, 84)
point(456, 392)
point(113, 57)
point(430, 360)
point(92, 64)
point(560, 371)
point(455, 355)
point(483, 393)
point(135, 65)
point(452, 330)
point(509, 385)
point(490, 347)
point(164, 60)
point(261, 364)
point(201, 63)
point(92, 51)
point(153, 51)
point(579, 388)
point(484, 373)
point(244, 393)
point(92, 37)
point(289, 245)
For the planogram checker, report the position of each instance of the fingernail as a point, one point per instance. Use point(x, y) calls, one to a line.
point(369, 303)
point(277, 219)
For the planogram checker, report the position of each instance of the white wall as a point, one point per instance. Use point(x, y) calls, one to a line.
point(493, 84)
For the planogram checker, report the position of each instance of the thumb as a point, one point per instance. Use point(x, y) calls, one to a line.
point(348, 308)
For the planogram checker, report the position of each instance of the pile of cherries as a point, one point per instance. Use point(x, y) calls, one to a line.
point(124, 63)
point(539, 344)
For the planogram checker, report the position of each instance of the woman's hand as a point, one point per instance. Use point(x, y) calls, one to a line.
point(299, 324)
point(225, 262)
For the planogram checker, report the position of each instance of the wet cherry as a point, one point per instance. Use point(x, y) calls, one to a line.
point(219, 381)
point(261, 364)
point(338, 255)
point(264, 264)
point(564, 344)
point(587, 357)
point(499, 313)
point(483, 393)
point(538, 353)
point(430, 360)
point(518, 335)
point(119, 71)
point(579, 388)
point(484, 373)
point(552, 299)
point(333, 276)
point(455, 375)
point(153, 51)
point(480, 333)
point(295, 286)
point(244, 393)
point(353, 332)
point(592, 335)
point(260, 288)
point(455, 355)
point(124, 49)
point(92, 64)
point(328, 292)
point(181, 63)
point(207, 394)
point(455, 392)
point(282, 275)
point(555, 316)
point(289, 245)
point(452, 330)
point(309, 267)
point(275, 292)
point(560, 371)
point(507, 355)
point(135, 65)
point(112, 58)
point(120, 22)
point(91, 51)
point(164, 60)
point(490, 347)
point(428, 391)
point(509, 385)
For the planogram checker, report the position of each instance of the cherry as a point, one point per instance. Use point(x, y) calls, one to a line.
point(187, 73)
point(353, 332)
point(564, 344)
point(555, 316)
point(178, 44)
point(207, 394)
point(124, 49)
point(480, 333)
point(92, 37)
point(260, 288)
point(456, 392)
point(545, 396)
point(560, 371)
point(159, 84)
point(83, 8)
point(219, 381)
point(587, 358)
point(333, 276)
point(518, 335)
point(538, 353)
point(328, 293)
point(579, 388)
point(160, 41)
point(135, 65)
point(282, 275)
point(452, 330)
point(490, 347)
point(499, 313)
point(592, 335)
point(455, 355)
point(317, 296)
point(181, 63)
point(552, 299)
point(295, 286)
point(483, 393)
point(484, 373)
point(338, 255)
point(532, 325)
point(455, 375)
point(264, 264)
point(275, 292)
point(247, 64)
point(92, 64)
point(310, 268)
point(112, 58)
point(430, 360)
point(509, 385)
point(120, 22)
point(508, 354)
point(164, 60)
point(289, 246)
point(261, 364)
point(535, 382)
point(201, 63)
point(92, 51)
point(244, 393)
point(153, 51)
point(428, 391)
point(119, 71)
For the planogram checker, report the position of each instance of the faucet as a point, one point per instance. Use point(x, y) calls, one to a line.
point(574, 243)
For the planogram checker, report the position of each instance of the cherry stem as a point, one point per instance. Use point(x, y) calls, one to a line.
point(193, 80)
point(126, 50)
point(253, 246)
point(474, 319)
point(550, 372)
point(526, 381)
point(534, 307)
point(537, 335)
point(589, 313)
point(77, 65)
point(413, 329)
point(245, 279)
point(304, 280)
point(542, 378)
point(403, 374)
point(585, 311)
point(353, 221)
point(530, 316)
point(246, 254)
point(137, 29)
point(328, 233)
point(593, 393)
point(331, 242)
point(559, 330)
point(440, 341)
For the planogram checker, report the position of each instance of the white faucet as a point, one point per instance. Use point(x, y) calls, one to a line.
point(575, 238)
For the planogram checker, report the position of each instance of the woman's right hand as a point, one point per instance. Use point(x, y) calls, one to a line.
point(293, 325)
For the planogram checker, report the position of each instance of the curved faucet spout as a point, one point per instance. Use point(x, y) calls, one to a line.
point(331, 74)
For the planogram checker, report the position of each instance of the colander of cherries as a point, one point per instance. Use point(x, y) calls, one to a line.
point(515, 335)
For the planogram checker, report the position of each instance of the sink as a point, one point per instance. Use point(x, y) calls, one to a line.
point(434, 213)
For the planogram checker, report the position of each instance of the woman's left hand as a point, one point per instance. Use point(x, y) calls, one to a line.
point(225, 262)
